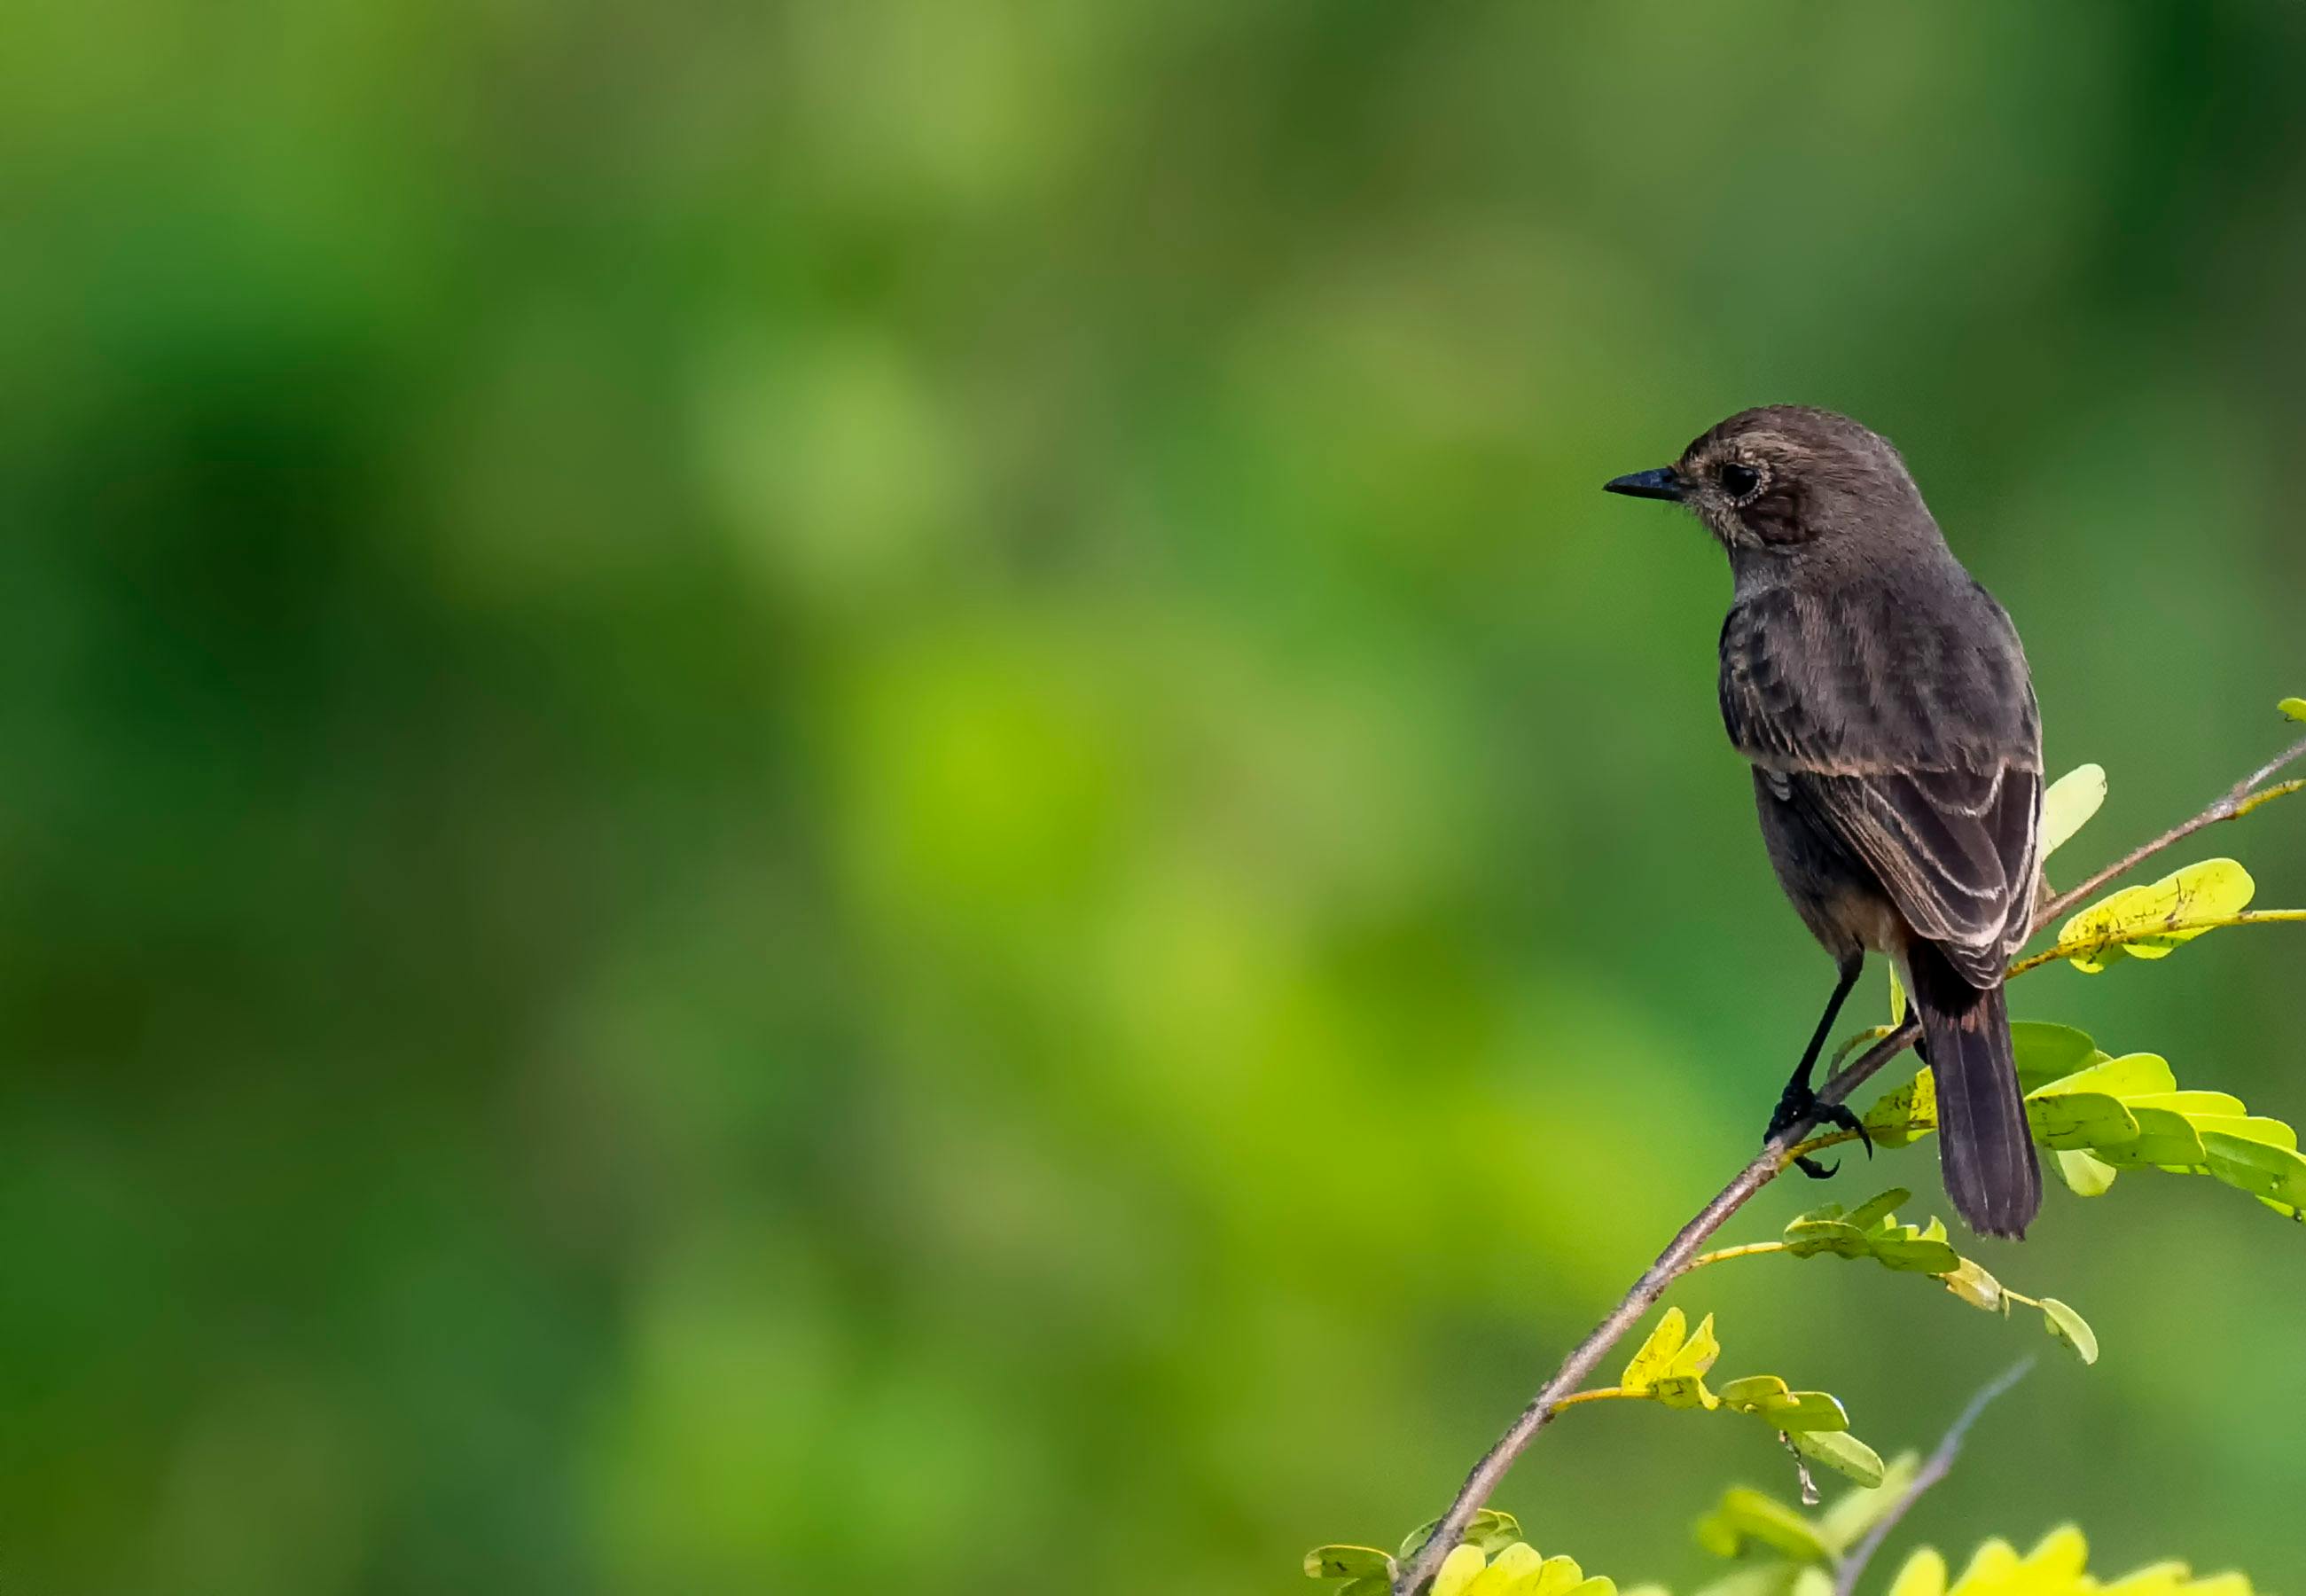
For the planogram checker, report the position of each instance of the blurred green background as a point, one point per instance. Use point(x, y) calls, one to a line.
point(861, 796)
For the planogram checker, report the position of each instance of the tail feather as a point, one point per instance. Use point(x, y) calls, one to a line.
point(1985, 1148)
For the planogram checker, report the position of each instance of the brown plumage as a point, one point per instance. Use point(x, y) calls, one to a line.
point(1883, 699)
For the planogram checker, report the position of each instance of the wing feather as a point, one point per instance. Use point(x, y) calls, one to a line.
point(1914, 741)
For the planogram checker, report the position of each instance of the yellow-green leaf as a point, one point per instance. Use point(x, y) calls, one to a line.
point(2164, 1139)
point(2147, 922)
point(2086, 1174)
point(1753, 1391)
point(1459, 1570)
point(2079, 1120)
point(1996, 1560)
point(1684, 1391)
point(1904, 1115)
point(2066, 807)
point(1656, 1354)
point(1557, 1577)
point(2274, 1133)
point(2070, 1329)
point(1806, 1411)
point(1896, 998)
point(1513, 1572)
point(2062, 1554)
point(2134, 1074)
point(1923, 1574)
point(1974, 1287)
point(1696, 1354)
point(2295, 708)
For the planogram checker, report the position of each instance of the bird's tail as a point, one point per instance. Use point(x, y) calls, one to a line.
point(1984, 1147)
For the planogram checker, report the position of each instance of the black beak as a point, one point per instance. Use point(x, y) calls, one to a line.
point(1661, 483)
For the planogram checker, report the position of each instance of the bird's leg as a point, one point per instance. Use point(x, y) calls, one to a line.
point(1798, 1104)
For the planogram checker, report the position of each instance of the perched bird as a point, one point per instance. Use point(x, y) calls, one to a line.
point(1883, 699)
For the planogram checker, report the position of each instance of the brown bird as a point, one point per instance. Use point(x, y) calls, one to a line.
point(1883, 699)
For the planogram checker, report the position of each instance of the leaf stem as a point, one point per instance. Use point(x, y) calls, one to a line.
point(2148, 933)
point(1602, 1393)
point(1723, 1255)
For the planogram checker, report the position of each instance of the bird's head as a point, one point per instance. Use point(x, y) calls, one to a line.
point(1784, 477)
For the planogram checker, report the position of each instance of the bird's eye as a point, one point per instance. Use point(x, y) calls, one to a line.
point(1739, 481)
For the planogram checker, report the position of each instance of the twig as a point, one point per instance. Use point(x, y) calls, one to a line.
point(2237, 800)
point(1682, 1251)
point(1941, 1462)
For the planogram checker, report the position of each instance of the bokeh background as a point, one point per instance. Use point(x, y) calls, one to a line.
point(855, 795)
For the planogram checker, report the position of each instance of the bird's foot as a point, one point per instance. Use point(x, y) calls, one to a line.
point(1801, 1105)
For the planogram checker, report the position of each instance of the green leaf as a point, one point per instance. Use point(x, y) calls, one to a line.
point(2065, 1119)
point(1878, 1207)
point(2147, 922)
point(2086, 1174)
point(2295, 708)
point(2191, 1105)
point(1745, 1516)
point(1807, 1238)
point(2134, 1074)
point(2164, 1140)
point(1656, 1354)
point(1839, 1451)
point(1347, 1562)
point(2047, 1053)
point(1915, 1255)
point(1753, 1391)
point(2066, 807)
point(2274, 1133)
point(2275, 1173)
point(2070, 1329)
point(1369, 1584)
point(1806, 1411)
point(1897, 999)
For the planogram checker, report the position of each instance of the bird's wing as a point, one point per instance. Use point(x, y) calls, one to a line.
point(1921, 757)
point(1953, 848)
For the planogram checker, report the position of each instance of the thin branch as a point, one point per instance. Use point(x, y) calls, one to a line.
point(2237, 800)
point(1682, 1252)
point(1941, 1462)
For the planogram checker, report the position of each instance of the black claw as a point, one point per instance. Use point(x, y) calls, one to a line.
point(1839, 1116)
point(1800, 1106)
